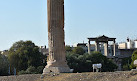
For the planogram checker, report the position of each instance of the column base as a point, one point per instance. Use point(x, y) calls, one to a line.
point(133, 71)
point(56, 67)
point(56, 70)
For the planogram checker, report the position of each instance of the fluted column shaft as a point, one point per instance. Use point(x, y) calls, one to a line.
point(56, 30)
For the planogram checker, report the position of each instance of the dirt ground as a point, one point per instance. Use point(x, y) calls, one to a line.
point(90, 76)
point(104, 76)
point(27, 77)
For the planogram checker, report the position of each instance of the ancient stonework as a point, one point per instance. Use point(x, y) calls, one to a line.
point(57, 59)
point(135, 63)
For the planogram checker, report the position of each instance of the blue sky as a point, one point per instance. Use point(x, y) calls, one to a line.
point(27, 20)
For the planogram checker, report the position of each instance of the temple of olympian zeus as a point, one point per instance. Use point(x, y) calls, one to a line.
point(57, 60)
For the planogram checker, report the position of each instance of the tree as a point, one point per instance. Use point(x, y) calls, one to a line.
point(3, 65)
point(126, 63)
point(78, 50)
point(68, 48)
point(97, 57)
point(134, 57)
point(73, 61)
point(83, 63)
point(32, 70)
point(24, 54)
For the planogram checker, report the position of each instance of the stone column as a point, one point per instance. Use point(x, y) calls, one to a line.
point(57, 60)
point(89, 47)
point(106, 48)
point(114, 48)
point(97, 47)
point(135, 63)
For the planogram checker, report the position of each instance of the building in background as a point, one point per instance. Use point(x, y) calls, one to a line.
point(5, 52)
point(82, 45)
point(129, 44)
point(127, 48)
point(43, 50)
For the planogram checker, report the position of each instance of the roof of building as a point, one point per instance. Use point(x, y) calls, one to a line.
point(102, 38)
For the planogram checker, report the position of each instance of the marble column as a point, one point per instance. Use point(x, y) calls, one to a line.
point(114, 48)
point(97, 47)
point(106, 48)
point(89, 47)
point(57, 58)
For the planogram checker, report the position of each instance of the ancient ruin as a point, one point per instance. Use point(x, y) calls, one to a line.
point(105, 40)
point(135, 63)
point(56, 60)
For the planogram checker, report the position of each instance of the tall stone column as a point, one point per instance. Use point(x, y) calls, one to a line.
point(56, 60)
point(89, 47)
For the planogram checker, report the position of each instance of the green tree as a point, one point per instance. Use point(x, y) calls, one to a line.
point(78, 50)
point(83, 63)
point(3, 65)
point(134, 57)
point(68, 48)
point(126, 63)
point(32, 70)
point(72, 60)
point(24, 54)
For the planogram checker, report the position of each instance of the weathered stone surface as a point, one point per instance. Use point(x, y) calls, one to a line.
point(57, 59)
point(135, 63)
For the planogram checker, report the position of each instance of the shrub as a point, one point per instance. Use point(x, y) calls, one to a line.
point(22, 72)
point(31, 70)
point(40, 69)
point(78, 50)
point(134, 57)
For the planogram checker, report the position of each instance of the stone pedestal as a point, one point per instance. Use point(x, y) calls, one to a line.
point(57, 58)
point(135, 63)
point(56, 70)
point(56, 67)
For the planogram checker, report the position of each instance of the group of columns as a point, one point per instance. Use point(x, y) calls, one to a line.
point(97, 47)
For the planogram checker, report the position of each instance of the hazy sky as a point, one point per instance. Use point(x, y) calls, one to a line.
point(27, 20)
